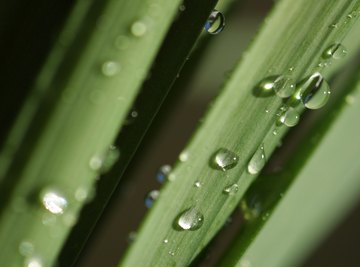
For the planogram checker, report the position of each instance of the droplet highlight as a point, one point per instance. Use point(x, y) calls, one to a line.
point(224, 159)
point(231, 190)
point(257, 162)
point(289, 117)
point(54, 202)
point(138, 28)
point(33, 262)
point(110, 68)
point(151, 197)
point(335, 51)
point(190, 219)
point(215, 23)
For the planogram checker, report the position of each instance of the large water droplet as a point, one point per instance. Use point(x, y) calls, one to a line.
point(289, 117)
point(284, 86)
point(257, 162)
point(336, 51)
point(314, 92)
point(53, 201)
point(163, 173)
point(224, 159)
point(151, 197)
point(110, 68)
point(138, 28)
point(215, 23)
point(231, 190)
point(190, 219)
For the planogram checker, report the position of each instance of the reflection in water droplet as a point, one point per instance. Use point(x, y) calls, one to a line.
point(151, 197)
point(215, 23)
point(163, 173)
point(257, 161)
point(224, 159)
point(190, 219)
point(314, 92)
point(26, 248)
point(290, 117)
point(198, 184)
point(231, 190)
point(110, 68)
point(336, 51)
point(284, 86)
point(53, 201)
point(166, 241)
point(138, 28)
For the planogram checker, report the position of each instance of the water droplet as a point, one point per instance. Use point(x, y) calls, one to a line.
point(314, 92)
point(251, 207)
point(284, 86)
point(198, 184)
point(138, 28)
point(231, 190)
point(275, 132)
point(33, 262)
point(184, 156)
point(190, 219)
point(151, 197)
point(336, 51)
point(163, 173)
point(171, 253)
point(110, 68)
point(166, 241)
point(53, 201)
point(122, 42)
point(182, 7)
point(111, 156)
point(215, 23)
point(96, 162)
point(289, 117)
point(257, 162)
point(26, 248)
point(224, 159)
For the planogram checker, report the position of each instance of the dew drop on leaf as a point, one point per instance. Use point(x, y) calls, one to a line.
point(151, 197)
point(53, 201)
point(190, 219)
point(314, 92)
point(225, 159)
point(110, 68)
point(215, 23)
point(289, 117)
point(336, 51)
point(257, 162)
point(284, 86)
point(231, 190)
point(33, 262)
point(138, 28)
point(163, 173)
point(197, 184)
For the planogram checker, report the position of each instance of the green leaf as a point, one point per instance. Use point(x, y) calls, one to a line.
point(292, 42)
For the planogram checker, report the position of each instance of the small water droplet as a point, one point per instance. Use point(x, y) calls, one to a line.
point(257, 162)
point(166, 241)
point(291, 69)
point(171, 253)
point(334, 26)
point(215, 23)
point(251, 207)
point(289, 117)
point(182, 7)
point(184, 156)
point(336, 51)
point(314, 92)
point(275, 132)
point(33, 262)
point(224, 159)
point(197, 184)
point(190, 219)
point(111, 157)
point(138, 28)
point(163, 173)
point(267, 111)
point(231, 190)
point(26, 248)
point(96, 162)
point(53, 201)
point(151, 197)
point(284, 86)
point(110, 68)
point(133, 114)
